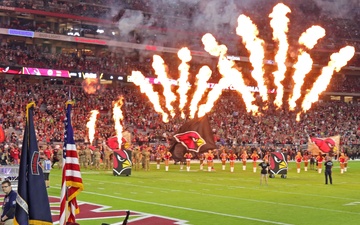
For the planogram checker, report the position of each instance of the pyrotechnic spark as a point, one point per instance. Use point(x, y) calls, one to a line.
point(279, 24)
point(159, 67)
point(146, 88)
point(118, 117)
point(91, 124)
point(185, 57)
point(202, 77)
point(249, 32)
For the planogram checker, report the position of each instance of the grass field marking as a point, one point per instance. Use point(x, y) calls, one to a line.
point(284, 204)
point(269, 202)
point(352, 203)
point(147, 215)
point(267, 190)
point(185, 208)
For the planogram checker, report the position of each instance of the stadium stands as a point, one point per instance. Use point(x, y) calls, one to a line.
point(231, 124)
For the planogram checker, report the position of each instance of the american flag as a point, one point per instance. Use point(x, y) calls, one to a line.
point(72, 183)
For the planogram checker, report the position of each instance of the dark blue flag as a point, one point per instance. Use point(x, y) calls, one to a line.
point(32, 203)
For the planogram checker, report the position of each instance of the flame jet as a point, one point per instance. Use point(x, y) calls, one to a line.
point(146, 88)
point(279, 24)
point(118, 117)
point(185, 57)
point(202, 77)
point(159, 67)
point(338, 60)
point(230, 76)
point(304, 64)
point(249, 32)
point(91, 124)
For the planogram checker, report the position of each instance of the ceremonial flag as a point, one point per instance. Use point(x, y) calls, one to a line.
point(195, 135)
point(32, 202)
point(326, 145)
point(72, 183)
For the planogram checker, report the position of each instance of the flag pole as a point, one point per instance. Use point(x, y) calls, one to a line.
point(67, 211)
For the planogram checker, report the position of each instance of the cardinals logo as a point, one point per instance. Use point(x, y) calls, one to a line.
point(278, 163)
point(122, 163)
point(325, 145)
point(191, 140)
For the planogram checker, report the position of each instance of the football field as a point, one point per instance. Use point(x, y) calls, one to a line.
point(216, 197)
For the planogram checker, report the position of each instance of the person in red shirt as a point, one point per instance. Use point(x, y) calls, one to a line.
point(167, 157)
point(15, 154)
point(244, 156)
point(223, 157)
point(254, 156)
point(158, 156)
point(298, 159)
point(346, 162)
point(319, 160)
point(188, 156)
point(342, 162)
point(306, 160)
point(209, 158)
point(48, 152)
point(232, 158)
point(201, 160)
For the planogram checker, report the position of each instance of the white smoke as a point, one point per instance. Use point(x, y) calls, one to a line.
point(339, 8)
point(129, 21)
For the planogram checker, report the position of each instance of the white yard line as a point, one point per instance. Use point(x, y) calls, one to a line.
point(186, 208)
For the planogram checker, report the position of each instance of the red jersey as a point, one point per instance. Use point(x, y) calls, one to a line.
point(342, 159)
point(188, 156)
point(320, 159)
point(298, 159)
point(232, 156)
point(254, 157)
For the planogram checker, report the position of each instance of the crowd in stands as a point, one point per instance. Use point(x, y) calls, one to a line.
point(341, 29)
point(114, 61)
point(232, 125)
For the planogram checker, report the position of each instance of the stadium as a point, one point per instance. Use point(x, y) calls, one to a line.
point(165, 64)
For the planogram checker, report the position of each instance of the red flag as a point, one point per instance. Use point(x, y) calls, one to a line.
point(195, 135)
point(72, 183)
point(326, 145)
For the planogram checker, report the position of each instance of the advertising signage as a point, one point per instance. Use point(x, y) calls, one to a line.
point(22, 33)
point(10, 70)
point(101, 76)
point(45, 72)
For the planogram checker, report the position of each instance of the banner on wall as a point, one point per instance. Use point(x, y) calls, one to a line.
point(45, 72)
point(10, 70)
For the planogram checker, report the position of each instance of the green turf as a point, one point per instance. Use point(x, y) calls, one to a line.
point(221, 197)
